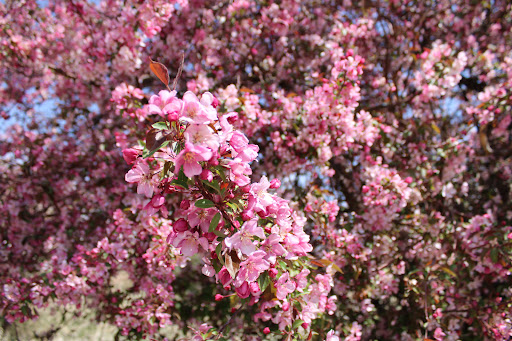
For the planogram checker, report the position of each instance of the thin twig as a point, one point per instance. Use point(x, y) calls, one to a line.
point(228, 322)
point(180, 70)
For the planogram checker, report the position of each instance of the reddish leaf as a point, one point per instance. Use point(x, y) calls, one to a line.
point(160, 71)
point(154, 138)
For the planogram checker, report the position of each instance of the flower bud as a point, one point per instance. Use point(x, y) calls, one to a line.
point(130, 155)
point(243, 291)
point(255, 288)
point(206, 175)
point(275, 183)
point(273, 272)
point(215, 102)
point(185, 204)
point(180, 225)
point(173, 116)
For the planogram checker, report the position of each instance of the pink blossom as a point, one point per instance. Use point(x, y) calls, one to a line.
point(298, 242)
point(156, 204)
point(252, 267)
point(202, 135)
point(272, 247)
point(239, 171)
point(165, 104)
point(242, 240)
point(188, 242)
point(260, 196)
point(438, 334)
point(198, 112)
point(190, 158)
point(130, 155)
point(331, 336)
point(142, 175)
point(201, 217)
point(238, 141)
point(284, 286)
point(243, 290)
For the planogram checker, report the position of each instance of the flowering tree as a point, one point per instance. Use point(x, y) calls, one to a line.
point(318, 170)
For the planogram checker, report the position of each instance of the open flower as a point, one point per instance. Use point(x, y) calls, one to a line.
point(190, 157)
point(142, 175)
point(242, 240)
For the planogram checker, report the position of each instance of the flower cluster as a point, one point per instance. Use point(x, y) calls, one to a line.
point(251, 241)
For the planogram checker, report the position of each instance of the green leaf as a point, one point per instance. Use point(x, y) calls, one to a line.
point(449, 271)
point(215, 222)
point(217, 265)
point(180, 183)
point(204, 203)
point(233, 206)
point(214, 185)
point(147, 153)
point(181, 175)
point(218, 251)
point(219, 234)
point(160, 125)
point(263, 281)
point(494, 255)
point(296, 324)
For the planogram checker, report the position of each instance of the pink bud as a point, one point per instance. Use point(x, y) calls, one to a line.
point(231, 117)
point(243, 291)
point(180, 225)
point(215, 102)
point(255, 288)
point(273, 273)
point(130, 155)
point(275, 183)
point(206, 175)
point(210, 236)
point(266, 331)
point(286, 306)
point(185, 204)
point(218, 297)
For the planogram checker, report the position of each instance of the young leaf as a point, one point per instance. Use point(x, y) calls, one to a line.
point(177, 182)
point(215, 222)
point(204, 203)
point(160, 125)
point(494, 255)
point(263, 281)
point(297, 323)
point(160, 71)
